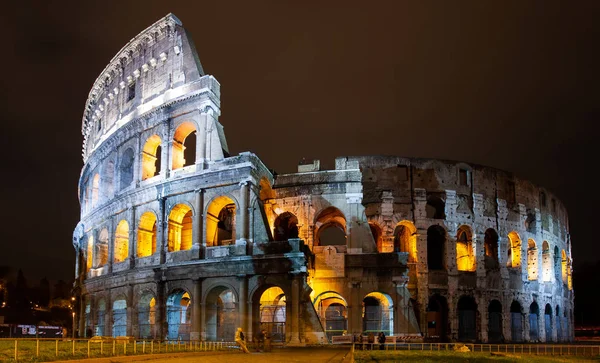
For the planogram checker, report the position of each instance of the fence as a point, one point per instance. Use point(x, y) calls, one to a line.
point(539, 349)
point(54, 349)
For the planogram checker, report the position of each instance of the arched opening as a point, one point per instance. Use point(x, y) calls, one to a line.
point(126, 168)
point(491, 250)
point(548, 322)
point(273, 313)
point(465, 258)
point(151, 157)
point(534, 330)
point(122, 241)
point(332, 310)
point(405, 240)
point(435, 208)
point(89, 255)
point(179, 314)
point(516, 322)
point(532, 260)
point(95, 190)
point(330, 228)
point(220, 222)
point(221, 314)
point(88, 320)
point(184, 146)
point(546, 262)
point(101, 258)
point(146, 238)
point(147, 316)
point(559, 332)
point(564, 266)
point(108, 176)
point(378, 314)
point(495, 322)
point(180, 228)
point(467, 319)
point(569, 274)
point(119, 313)
point(285, 227)
point(437, 318)
point(101, 316)
point(436, 243)
point(514, 250)
point(377, 235)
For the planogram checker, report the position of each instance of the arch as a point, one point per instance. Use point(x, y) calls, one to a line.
point(184, 145)
point(221, 222)
point(332, 309)
point(516, 322)
point(378, 313)
point(108, 176)
point(377, 235)
point(121, 250)
point(491, 250)
point(559, 332)
point(436, 248)
point(89, 255)
point(495, 334)
point(180, 228)
point(467, 318)
point(221, 313)
point(126, 168)
point(532, 260)
point(546, 262)
point(101, 257)
point(514, 250)
point(273, 312)
point(435, 208)
point(147, 316)
point(548, 322)
point(534, 313)
point(437, 317)
point(557, 267)
point(563, 269)
point(179, 314)
point(88, 319)
point(100, 316)
point(330, 228)
point(405, 239)
point(266, 191)
point(146, 235)
point(151, 157)
point(119, 317)
point(465, 257)
point(95, 190)
point(285, 227)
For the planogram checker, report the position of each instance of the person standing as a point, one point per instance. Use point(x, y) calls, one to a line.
point(370, 340)
point(381, 340)
point(239, 339)
point(267, 345)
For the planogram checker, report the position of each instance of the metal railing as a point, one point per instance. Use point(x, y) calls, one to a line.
point(63, 348)
point(538, 349)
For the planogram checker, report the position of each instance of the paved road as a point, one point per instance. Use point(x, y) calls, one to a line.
point(285, 355)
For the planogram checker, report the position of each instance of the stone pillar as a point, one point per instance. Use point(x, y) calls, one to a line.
point(199, 242)
point(81, 320)
point(131, 316)
point(111, 244)
point(196, 311)
point(162, 231)
point(244, 220)
point(483, 315)
point(354, 309)
point(161, 317)
point(243, 303)
point(295, 315)
point(164, 158)
point(108, 316)
point(201, 139)
point(132, 237)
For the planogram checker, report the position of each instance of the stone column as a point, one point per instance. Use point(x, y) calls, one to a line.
point(244, 220)
point(132, 237)
point(201, 138)
point(108, 316)
point(243, 303)
point(81, 320)
point(354, 309)
point(111, 244)
point(161, 317)
point(196, 310)
point(295, 315)
point(199, 242)
point(164, 159)
point(131, 316)
point(162, 231)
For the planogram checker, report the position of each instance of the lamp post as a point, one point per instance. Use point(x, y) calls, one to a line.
point(73, 325)
point(73, 314)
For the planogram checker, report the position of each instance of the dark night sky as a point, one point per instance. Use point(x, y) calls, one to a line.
point(513, 85)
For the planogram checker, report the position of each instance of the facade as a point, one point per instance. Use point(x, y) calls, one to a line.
point(178, 239)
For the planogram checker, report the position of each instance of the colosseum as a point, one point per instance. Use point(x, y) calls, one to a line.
point(178, 239)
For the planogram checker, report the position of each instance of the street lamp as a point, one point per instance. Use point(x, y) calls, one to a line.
point(73, 313)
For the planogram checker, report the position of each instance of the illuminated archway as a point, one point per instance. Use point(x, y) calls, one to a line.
point(180, 228)
point(285, 227)
point(122, 241)
point(377, 236)
point(273, 313)
point(147, 316)
point(184, 145)
point(151, 157)
point(514, 250)
point(101, 257)
point(465, 258)
point(221, 314)
point(146, 238)
point(491, 250)
point(532, 260)
point(405, 239)
point(330, 228)
point(546, 262)
point(179, 314)
point(378, 313)
point(89, 259)
point(564, 267)
point(119, 314)
point(220, 222)
point(332, 310)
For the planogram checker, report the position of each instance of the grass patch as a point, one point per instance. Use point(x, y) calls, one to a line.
point(451, 356)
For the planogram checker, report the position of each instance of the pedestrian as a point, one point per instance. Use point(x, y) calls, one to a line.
point(370, 340)
point(360, 341)
point(267, 343)
point(381, 340)
point(260, 341)
point(239, 339)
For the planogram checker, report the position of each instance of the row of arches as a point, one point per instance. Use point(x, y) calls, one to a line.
point(469, 321)
point(183, 153)
point(220, 230)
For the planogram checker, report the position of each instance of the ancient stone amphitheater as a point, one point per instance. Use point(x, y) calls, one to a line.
point(178, 239)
